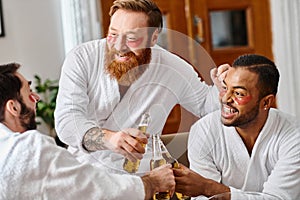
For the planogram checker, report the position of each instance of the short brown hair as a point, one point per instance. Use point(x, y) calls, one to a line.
point(10, 85)
point(146, 6)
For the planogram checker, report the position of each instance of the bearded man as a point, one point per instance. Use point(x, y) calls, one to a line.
point(33, 167)
point(247, 149)
point(106, 86)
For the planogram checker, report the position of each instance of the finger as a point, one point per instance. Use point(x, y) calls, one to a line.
point(130, 150)
point(222, 71)
point(127, 155)
point(222, 68)
point(167, 166)
point(213, 73)
point(172, 191)
point(137, 134)
point(178, 172)
point(134, 145)
point(183, 167)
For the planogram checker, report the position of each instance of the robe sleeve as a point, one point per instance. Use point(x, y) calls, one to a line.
point(36, 168)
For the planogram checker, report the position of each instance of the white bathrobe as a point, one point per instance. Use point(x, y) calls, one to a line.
point(32, 166)
point(88, 97)
point(218, 152)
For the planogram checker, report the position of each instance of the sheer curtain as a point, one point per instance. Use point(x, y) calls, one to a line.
point(80, 22)
point(286, 49)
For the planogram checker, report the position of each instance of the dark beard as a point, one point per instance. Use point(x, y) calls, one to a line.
point(27, 117)
point(245, 119)
point(128, 72)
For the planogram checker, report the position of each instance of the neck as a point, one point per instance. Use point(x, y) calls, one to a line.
point(251, 131)
point(14, 126)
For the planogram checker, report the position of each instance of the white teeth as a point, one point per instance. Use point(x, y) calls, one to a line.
point(228, 110)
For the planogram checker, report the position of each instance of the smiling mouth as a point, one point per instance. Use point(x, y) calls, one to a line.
point(228, 111)
point(121, 58)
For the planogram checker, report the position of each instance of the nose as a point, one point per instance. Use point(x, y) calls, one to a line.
point(120, 44)
point(226, 96)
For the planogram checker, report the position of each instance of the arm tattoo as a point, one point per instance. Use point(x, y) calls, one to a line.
point(93, 140)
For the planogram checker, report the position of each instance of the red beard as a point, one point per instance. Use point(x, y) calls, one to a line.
point(129, 71)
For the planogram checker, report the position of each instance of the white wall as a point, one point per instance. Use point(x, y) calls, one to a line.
point(33, 37)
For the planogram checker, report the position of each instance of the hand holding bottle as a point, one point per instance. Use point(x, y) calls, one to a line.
point(187, 181)
point(158, 180)
point(129, 142)
point(175, 165)
point(132, 165)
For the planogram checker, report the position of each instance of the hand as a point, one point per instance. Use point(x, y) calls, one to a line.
point(218, 75)
point(188, 182)
point(193, 184)
point(127, 142)
point(160, 179)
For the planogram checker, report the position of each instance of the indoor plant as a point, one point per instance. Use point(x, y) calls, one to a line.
point(47, 90)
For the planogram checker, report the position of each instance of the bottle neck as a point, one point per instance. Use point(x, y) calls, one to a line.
point(156, 147)
point(143, 125)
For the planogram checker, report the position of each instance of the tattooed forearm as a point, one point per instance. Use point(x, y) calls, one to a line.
point(93, 139)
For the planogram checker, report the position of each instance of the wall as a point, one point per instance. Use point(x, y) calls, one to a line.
point(33, 37)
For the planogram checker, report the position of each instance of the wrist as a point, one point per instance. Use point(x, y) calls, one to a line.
point(93, 139)
point(148, 187)
point(212, 187)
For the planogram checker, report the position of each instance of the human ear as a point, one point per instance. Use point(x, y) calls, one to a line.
point(268, 101)
point(12, 107)
point(154, 38)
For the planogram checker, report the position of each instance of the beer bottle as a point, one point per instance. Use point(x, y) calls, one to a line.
point(130, 166)
point(156, 161)
point(175, 164)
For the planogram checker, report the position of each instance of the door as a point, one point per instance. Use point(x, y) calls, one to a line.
point(208, 33)
point(229, 28)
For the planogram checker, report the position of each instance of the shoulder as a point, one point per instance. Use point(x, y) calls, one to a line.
point(85, 56)
point(170, 61)
point(210, 120)
point(23, 147)
point(208, 126)
point(88, 48)
point(282, 120)
point(166, 56)
point(35, 137)
point(285, 128)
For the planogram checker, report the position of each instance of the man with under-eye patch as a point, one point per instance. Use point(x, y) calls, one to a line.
point(247, 147)
point(107, 85)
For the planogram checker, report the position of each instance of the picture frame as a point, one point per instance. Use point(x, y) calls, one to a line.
point(1, 21)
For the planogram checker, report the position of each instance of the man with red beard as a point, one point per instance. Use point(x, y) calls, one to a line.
point(247, 148)
point(107, 85)
point(33, 167)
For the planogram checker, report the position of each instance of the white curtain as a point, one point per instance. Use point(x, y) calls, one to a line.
point(80, 22)
point(286, 49)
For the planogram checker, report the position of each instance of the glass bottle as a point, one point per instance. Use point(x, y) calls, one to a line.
point(175, 164)
point(128, 165)
point(156, 161)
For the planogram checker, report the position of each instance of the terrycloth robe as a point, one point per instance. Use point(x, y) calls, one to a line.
point(32, 166)
point(89, 97)
point(217, 152)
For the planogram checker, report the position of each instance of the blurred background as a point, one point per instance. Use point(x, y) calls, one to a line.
point(38, 34)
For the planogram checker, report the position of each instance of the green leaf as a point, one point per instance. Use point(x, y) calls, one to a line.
point(48, 92)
